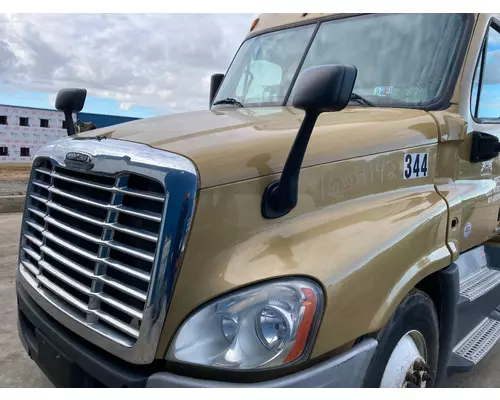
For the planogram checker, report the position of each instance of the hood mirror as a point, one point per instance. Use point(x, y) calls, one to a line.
point(70, 101)
point(215, 82)
point(326, 88)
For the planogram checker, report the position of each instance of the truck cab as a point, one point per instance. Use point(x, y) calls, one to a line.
point(330, 221)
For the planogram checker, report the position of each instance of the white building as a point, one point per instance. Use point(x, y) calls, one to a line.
point(24, 130)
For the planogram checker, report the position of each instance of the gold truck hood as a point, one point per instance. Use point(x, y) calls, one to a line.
point(243, 143)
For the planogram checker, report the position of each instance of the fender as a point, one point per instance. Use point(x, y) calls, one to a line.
point(360, 229)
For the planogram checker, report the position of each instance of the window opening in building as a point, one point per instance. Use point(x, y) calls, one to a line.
point(44, 123)
point(24, 121)
point(25, 151)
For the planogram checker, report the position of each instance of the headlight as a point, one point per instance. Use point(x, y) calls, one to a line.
point(265, 326)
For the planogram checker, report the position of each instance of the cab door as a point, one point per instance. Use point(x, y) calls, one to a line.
point(472, 188)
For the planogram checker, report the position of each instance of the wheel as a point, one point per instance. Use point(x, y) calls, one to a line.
point(407, 351)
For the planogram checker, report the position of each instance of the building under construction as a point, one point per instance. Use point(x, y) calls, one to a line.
point(23, 130)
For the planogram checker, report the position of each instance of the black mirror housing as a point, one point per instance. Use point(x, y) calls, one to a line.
point(70, 101)
point(325, 88)
point(215, 82)
point(484, 147)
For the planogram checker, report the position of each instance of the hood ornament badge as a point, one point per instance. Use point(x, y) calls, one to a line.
point(79, 160)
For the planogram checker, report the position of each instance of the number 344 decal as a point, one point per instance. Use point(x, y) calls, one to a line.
point(415, 165)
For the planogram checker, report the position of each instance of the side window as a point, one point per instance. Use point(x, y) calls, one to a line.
point(485, 96)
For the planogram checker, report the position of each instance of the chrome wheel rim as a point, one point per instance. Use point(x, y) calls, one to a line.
point(407, 365)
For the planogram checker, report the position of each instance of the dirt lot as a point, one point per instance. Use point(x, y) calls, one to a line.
point(16, 368)
point(14, 172)
point(13, 179)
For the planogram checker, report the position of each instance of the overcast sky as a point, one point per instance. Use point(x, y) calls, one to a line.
point(133, 64)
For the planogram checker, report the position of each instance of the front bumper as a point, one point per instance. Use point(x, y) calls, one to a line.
point(69, 361)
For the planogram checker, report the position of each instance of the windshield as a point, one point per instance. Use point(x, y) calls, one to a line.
point(402, 59)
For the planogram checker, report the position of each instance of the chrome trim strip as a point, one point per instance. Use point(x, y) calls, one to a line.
point(73, 214)
point(67, 262)
point(31, 253)
point(33, 239)
point(136, 193)
point(135, 272)
point(146, 215)
point(180, 178)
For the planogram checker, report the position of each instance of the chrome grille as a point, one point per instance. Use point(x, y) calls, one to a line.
point(89, 243)
point(102, 243)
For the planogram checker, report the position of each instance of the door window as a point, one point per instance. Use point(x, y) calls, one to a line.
point(485, 101)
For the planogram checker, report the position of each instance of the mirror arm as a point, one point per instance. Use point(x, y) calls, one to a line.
point(280, 197)
point(70, 125)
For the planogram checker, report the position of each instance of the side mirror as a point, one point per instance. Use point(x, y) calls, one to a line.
point(215, 82)
point(70, 101)
point(484, 147)
point(326, 88)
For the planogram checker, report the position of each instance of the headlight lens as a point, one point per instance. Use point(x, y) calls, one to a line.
point(265, 326)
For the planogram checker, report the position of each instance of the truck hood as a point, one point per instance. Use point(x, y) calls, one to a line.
point(235, 144)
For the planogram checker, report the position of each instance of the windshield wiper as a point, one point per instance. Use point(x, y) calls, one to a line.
point(361, 100)
point(229, 100)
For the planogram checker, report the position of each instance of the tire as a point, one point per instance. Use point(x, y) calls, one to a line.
point(416, 313)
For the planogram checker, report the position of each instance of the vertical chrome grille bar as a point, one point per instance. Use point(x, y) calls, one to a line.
point(103, 252)
point(45, 227)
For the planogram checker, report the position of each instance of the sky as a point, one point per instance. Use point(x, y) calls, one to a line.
point(134, 65)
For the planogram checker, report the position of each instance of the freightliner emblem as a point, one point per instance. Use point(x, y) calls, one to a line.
point(79, 160)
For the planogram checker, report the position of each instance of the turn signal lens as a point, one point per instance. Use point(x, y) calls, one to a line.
point(254, 24)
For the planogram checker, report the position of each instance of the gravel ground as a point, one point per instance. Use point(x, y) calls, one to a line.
point(13, 179)
point(9, 188)
point(16, 368)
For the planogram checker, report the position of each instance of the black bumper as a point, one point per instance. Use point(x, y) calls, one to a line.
point(66, 359)
point(69, 361)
